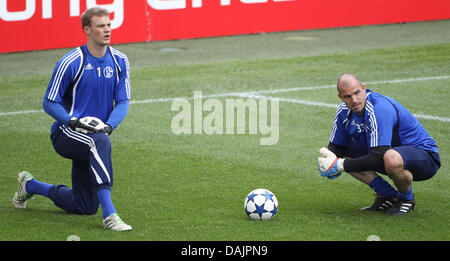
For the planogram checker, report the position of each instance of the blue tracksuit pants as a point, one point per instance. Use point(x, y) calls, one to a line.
point(91, 169)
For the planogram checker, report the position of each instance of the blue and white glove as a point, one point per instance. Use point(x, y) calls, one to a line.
point(330, 166)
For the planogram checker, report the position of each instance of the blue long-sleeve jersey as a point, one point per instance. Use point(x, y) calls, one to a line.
point(83, 85)
point(385, 122)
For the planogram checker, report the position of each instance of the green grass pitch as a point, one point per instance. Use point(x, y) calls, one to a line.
point(192, 187)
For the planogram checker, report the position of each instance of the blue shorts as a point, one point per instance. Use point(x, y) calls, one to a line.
point(423, 164)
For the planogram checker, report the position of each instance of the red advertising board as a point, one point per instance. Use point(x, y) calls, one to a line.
point(46, 24)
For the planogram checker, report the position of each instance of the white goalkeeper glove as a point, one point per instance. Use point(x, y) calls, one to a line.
point(89, 125)
point(330, 166)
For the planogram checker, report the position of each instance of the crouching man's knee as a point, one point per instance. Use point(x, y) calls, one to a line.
point(393, 162)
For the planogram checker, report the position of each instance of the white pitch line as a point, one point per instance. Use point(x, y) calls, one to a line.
point(304, 102)
point(254, 94)
point(330, 105)
point(442, 77)
point(431, 117)
point(19, 112)
point(294, 89)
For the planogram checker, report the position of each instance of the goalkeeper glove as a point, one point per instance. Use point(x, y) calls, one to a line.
point(89, 125)
point(107, 129)
point(330, 166)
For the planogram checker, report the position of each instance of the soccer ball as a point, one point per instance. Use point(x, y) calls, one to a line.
point(260, 204)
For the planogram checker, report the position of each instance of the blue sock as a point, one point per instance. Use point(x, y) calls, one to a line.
point(104, 196)
point(36, 187)
point(409, 195)
point(382, 187)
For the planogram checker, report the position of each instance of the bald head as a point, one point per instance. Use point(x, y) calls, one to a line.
point(347, 80)
point(352, 92)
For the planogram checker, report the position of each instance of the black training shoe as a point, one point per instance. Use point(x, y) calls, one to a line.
point(381, 203)
point(401, 207)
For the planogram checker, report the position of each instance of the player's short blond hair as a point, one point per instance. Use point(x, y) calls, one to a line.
point(86, 17)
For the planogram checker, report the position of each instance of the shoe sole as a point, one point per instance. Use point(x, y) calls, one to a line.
point(398, 213)
point(119, 230)
point(21, 178)
point(17, 203)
